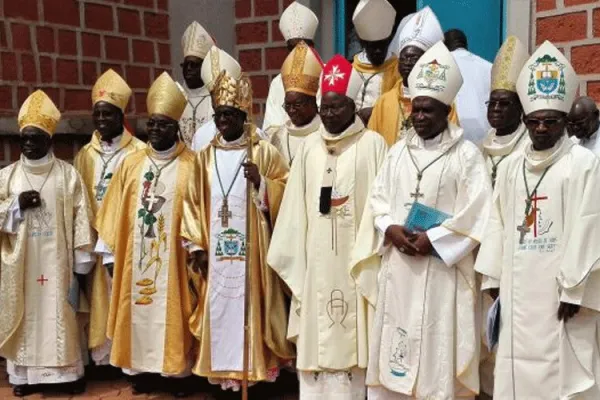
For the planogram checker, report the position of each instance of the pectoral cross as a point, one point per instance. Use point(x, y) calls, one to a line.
point(152, 200)
point(523, 230)
point(225, 214)
point(41, 280)
point(417, 194)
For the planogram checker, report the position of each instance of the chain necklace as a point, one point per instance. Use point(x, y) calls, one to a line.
point(496, 164)
point(159, 170)
point(100, 187)
point(417, 193)
point(194, 109)
point(224, 212)
point(524, 228)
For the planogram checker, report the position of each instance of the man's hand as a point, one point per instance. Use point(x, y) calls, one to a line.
point(29, 199)
point(566, 311)
point(421, 241)
point(200, 263)
point(251, 173)
point(365, 115)
point(401, 239)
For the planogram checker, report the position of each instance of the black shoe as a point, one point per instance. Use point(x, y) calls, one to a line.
point(142, 384)
point(74, 388)
point(180, 388)
point(23, 390)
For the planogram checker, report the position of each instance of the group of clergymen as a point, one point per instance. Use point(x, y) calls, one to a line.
point(398, 261)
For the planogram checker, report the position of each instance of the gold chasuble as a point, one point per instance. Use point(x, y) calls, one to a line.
point(140, 223)
point(221, 299)
point(391, 114)
point(387, 75)
point(97, 169)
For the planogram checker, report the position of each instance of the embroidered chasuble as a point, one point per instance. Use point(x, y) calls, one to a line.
point(424, 340)
point(97, 163)
point(151, 302)
point(219, 228)
point(329, 320)
point(376, 80)
point(538, 356)
point(391, 113)
point(288, 137)
point(198, 111)
point(39, 328)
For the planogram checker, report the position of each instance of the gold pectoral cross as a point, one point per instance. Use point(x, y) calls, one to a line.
point(225, 214)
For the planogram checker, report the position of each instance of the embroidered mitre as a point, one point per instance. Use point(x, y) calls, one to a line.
point(298, 22)
point(196, 41)
point(111, 88)
point(216, 62)
point(39, 111)
point(236, 93)
point(301, 70)
point(509, 62)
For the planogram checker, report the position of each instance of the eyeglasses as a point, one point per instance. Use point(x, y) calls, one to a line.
point(294, 106)
point(548, 122)
point(413, 59)
point(160, 125)
point(500, 103)
point(325, 110)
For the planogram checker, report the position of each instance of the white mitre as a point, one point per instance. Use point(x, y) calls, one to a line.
point(374, 19)
point(436, 75)
point(298, 22)
point(196, 41)
point(216, 61)
point(547, 81)
point(422, 30)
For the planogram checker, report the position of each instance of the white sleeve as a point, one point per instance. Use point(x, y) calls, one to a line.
point(450, 246)
point(84, 262)
point(260, 196)
point(487, 282)
point(383, 222)
point(15, 216)
point(103, 250)
point(190, 247)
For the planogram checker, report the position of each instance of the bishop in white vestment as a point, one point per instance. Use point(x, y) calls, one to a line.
point(301, 71)
point(424, 341)
point(97, 163)
point(195, 44)
point(46, 242)
point(297, 23)
point(539, 247)
point(321, 210)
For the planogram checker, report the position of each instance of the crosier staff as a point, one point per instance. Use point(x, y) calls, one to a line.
point(246, 356)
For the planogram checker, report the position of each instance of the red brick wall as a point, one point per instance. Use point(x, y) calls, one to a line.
point(62, 46)
point(260, 48)
point(573, 26)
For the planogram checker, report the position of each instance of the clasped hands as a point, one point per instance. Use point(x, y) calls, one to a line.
point(411, 243)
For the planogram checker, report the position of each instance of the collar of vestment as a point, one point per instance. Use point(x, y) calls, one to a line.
point(302, 131)
point(96, 142)
point(38, 167)
point(169, 154)
point(539, 160)
point(503, 145)
point(336, 144)
point(238, 144)
point(362, 64)
point(449, 137)
point(195, 93)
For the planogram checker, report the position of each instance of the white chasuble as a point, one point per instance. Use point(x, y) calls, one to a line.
point(539, 261)
point(197, 112)
point(424, 341)
point(227, 259)
point(288, 137)
point(328, 318)
point(592, 143)
point(45, 345)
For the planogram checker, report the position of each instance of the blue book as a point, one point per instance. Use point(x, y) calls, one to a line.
point(421, 218)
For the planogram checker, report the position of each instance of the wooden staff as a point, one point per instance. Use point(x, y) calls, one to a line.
point(249, 206)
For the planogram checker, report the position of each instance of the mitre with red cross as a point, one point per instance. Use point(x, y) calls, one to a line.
point(339, 77)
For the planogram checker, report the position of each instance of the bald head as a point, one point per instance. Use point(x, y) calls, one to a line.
point(583, 118)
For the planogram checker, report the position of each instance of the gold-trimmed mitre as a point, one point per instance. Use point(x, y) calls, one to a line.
point(39, 111)
point(113, 89)
point(301, 70)
point(165, 98)
point(236, 93)
point(508, 64)
point(196, 41)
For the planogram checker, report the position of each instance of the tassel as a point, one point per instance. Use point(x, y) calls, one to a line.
point(325, 200)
